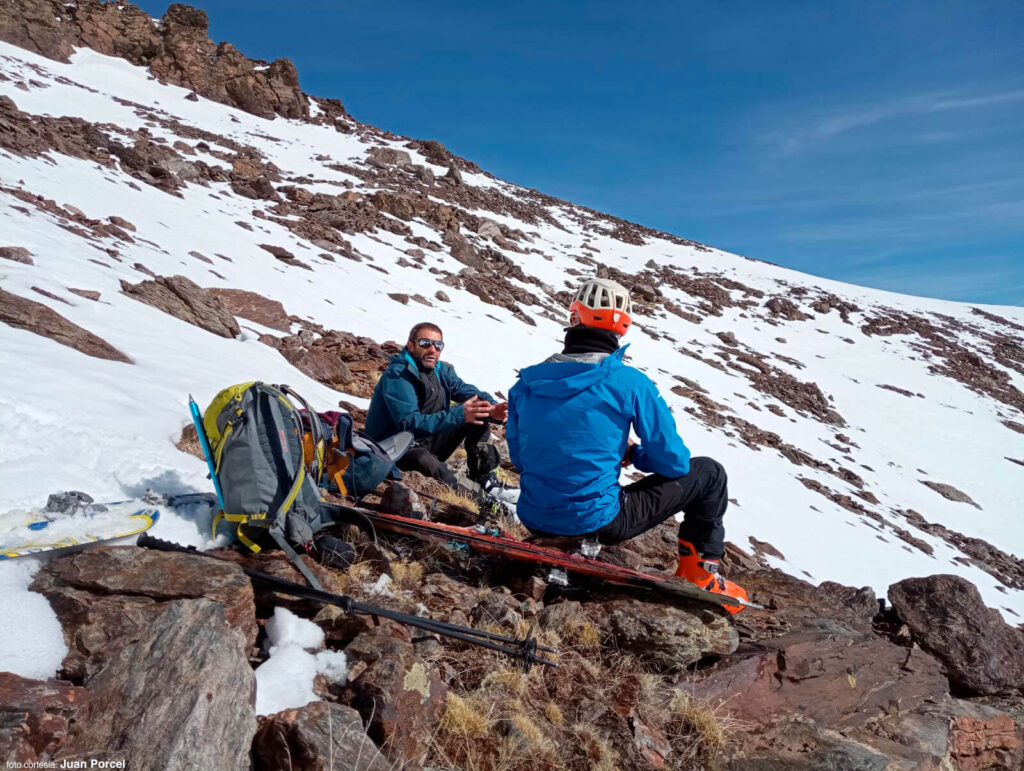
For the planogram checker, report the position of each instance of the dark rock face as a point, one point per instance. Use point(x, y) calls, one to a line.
point(185, 300)
point(179, 695)
point(35, 716)
point(318, 737)
point(177, 51)
point(21, 313)
point(106, 597)
point(946, 616)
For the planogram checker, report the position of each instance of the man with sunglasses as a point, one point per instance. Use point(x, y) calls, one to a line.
point(416, 393)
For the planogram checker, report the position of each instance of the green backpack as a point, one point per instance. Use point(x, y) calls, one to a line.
point(255, 434)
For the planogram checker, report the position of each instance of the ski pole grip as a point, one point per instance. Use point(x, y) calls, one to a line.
point(148, 541)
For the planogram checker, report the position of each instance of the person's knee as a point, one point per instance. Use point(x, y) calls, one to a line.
point(711, 469)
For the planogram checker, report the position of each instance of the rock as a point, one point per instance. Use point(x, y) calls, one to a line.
point(949, 492)
point(488, 228)
point(947, 618)
point(105, 597)
point(667, 636)
point(400, 696)
point(424, 175)
point(254, 307)
point(442, 296)
point(21, 313)
point(121, 222)
point(35, 716)
point(727, 337)
point(185, 300)
point(645, 292)
point(88, 294)
point(398, 297)
point(840, 682)
point(318, 737)
point(179, 695)
point(388, 156)
point(402, 500)
point(396, 204)
point(784, 308)
point(454, 175)
point(278, 251)
point(795, 743)
point(976, 744)
point(16, 254)
point(464, 252)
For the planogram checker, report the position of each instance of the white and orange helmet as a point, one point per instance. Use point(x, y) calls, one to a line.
point(603, 304)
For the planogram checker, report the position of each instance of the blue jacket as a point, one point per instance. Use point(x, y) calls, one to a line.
point(396, 400)
point(568, 426)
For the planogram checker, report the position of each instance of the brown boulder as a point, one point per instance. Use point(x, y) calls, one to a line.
point(178, 695)
point(318, 737)
point(185, 300)
point(35, 716)
point(388, 156)
point(21, 313)
point(16, 254)
point(949, 492)
point(400, 696)
point(105, 598)
point(947, 617)
point(670, 637)
point(254, 307)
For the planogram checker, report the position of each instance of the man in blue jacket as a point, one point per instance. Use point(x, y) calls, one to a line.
point(568, 433)
point(416, 393)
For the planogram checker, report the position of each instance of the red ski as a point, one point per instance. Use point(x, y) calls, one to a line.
point(488, 540)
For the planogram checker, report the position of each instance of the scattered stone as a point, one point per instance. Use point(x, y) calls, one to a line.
point(88, 294)
point(398, 297)
point(669, 637)
point(121, 222)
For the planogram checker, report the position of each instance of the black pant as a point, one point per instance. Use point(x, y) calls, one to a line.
point(701, 495)
point(429, 454)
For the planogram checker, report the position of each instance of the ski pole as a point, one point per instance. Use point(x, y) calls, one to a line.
point(525, 649)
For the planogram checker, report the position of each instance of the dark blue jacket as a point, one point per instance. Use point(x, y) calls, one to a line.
point(568, 426)
point(396, 400)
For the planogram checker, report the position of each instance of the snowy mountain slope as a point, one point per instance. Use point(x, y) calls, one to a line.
point(827, 473)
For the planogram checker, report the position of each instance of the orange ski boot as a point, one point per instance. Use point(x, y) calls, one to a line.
point(704, 574)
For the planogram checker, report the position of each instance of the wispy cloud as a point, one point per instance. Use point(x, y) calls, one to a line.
point(818, 128)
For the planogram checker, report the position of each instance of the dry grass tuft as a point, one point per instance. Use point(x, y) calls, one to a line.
point(464, 718)
point(593, 750)
point(449, 496)
point(697, 731)
point(407, 575)
point(554, 714)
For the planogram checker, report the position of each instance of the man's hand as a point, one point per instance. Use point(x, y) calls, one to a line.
point(475, 410)
point(499, 412)
point(627, 459)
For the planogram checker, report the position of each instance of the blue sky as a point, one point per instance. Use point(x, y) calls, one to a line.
point(876, 143)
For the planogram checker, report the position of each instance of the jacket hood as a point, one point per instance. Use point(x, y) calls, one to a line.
point(404, 361)
point(567, 377)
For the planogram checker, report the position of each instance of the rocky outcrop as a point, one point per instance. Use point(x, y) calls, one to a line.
point(179, 695)
point(185, 300)
point(400, 696)
point(21, 313)
point(178, 50)
point(36, 717)
point(16, 254)
point(105, 598)
point(947, 617)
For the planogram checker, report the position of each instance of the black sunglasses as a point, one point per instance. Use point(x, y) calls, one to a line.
point(424, 342)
